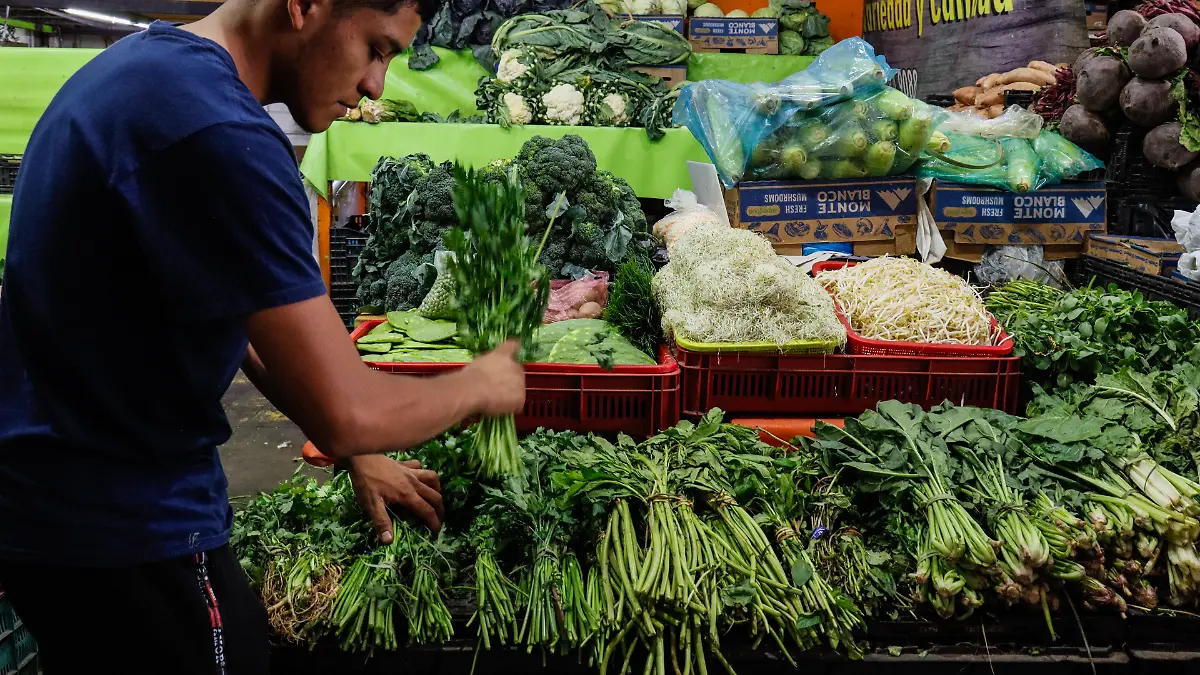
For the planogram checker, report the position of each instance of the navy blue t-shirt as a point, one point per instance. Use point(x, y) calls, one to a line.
point(157, 205)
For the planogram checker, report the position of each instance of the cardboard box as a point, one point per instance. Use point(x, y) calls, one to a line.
point(905, 243)
point(1058, 215)
point(793, 213)
point(751, 36)
point(1096, 14)
point(671, 75)
point(974, 252)
point(1145, 254)
point(675, 21)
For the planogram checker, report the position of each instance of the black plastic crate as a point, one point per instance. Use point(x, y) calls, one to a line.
point(344, 295)
point(1131, 176)
point(1154, 287)
point(9, 164)
point(345, 245)
point(1015, 97)
point(940, 100)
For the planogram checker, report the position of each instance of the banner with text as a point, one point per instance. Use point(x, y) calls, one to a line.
point(947, 44)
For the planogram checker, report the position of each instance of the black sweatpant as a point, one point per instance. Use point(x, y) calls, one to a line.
point(194, 614)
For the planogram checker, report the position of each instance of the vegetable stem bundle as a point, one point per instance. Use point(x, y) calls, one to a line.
point(503, 291)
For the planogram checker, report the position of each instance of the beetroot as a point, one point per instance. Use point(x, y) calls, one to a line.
point(1157, 53)
point(1124, 27)
point(1099, 83)
point(1084, 128)
point(1189, 181)
point(1163, 149)
point(1148, 103)
point(1179, 23)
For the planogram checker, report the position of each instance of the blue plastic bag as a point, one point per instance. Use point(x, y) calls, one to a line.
point(730, 119)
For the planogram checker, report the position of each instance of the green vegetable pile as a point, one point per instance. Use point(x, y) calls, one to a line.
point(652, 550)
point(584, 342)
point(408, 337)
point(1064, 337)
point(880, 134)
point(411, 207)
point(572, 67)
point(662, 552)
point(803, 30)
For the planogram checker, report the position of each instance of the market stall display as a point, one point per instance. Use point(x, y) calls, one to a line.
point(573, 67)
point(1024, 451)
point(411, 209)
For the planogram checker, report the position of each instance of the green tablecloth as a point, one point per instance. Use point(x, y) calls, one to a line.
point(5, 211)
point(29, 78)
point(349, 150)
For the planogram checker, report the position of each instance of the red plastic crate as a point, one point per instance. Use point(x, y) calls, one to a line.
point(857, 344)
point(636, 400)
point(773, 385)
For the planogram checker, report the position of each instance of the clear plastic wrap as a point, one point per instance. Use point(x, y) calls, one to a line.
point(1016, 122)
point(583, 298)
point(881, 133)
point(1008, 162)
point(730, 119)
point(686, 214)
point(1001, 264)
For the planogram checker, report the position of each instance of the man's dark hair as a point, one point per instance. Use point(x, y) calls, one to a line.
point(427, 9)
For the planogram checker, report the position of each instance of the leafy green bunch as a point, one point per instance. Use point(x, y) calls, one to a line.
point(502, 290)
point(1065, 337)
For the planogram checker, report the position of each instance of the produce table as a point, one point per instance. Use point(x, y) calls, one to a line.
point(5, 212)
point(348, 151)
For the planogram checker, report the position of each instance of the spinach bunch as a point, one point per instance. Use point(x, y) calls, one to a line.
point(1068, 337)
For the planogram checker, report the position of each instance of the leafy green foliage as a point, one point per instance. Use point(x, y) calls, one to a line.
point(411, 207)
point(1068, 337)
point(632, 308)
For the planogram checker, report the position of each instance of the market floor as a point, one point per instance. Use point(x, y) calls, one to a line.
point(265, 446)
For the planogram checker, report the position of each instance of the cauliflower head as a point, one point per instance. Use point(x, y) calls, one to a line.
point(517, 109)
point(614, 108)
point(564, 105)
point(510, 69)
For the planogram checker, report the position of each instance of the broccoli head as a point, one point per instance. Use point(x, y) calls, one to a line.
point(563, 165)
point(408, 280)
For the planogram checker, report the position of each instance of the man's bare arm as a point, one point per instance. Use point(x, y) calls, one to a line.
point(309, 369)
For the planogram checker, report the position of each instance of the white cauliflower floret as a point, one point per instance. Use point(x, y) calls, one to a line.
point(518, 109)
point(510, 68)
point(619, 113)
point(564, 105)
point(372, 111)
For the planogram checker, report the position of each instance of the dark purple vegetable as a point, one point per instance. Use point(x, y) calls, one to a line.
point(1098, 85)
point(1085, 129)
point(1148, 103)
point(1187, 29)
point(1124, 27)
point(1157, 53)
point(1163, 149)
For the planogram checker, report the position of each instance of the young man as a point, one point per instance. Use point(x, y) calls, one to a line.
point(161, 239)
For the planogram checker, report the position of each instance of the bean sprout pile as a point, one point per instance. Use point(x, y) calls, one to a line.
point(728, 285)
point(904, 300)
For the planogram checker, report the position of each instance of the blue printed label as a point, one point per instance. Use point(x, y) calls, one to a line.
point(749, 34)
point(796, 212)
point(1059, 214)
